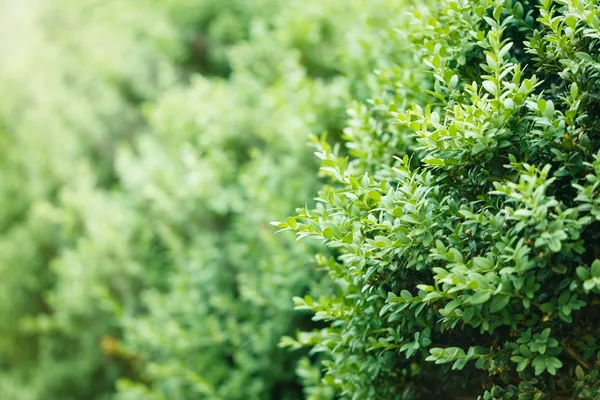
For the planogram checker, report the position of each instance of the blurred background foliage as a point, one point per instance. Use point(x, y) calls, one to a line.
point(145, 145)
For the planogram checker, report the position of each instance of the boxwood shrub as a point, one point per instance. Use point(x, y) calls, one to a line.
point(461, 212)
point(221, 158)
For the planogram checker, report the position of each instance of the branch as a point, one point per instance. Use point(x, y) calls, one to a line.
point(575, 356)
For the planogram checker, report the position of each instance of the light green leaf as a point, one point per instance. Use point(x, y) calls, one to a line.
point(479, 298)
point(499, 302)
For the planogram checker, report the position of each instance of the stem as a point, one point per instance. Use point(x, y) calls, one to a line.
point(575, 356)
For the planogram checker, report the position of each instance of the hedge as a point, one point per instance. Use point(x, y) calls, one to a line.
point(466, 257)
point(146, 145)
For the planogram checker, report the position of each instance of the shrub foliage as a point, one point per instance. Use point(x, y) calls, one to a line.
point(145, 145)
point(462, 223)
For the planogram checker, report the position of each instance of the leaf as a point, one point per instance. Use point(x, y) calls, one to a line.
point(589, 285)
point(509, 103)
point(499, 302)
point(563, 299)
point(478, 148)
point(479, 298)
point(374, 194)
point(483, 263)
point(406, 295)
point(490, 87)
point(518, 10)
point(450, 307)
point(459, 364)
point(539, 363)
point(522, 365)
point(545, 333)
point(349, 238)
point(546, 307)
point(574, 90)
point(596, 269)
point(291, 221)
point(491, 61)
point(410, 218)
point(553, 364)
point(541, 105)
point(584, 56)
point(523, 212)
point(328, 233)
point(454, 81)
point(504, 50)
point(497, 13)
point(549, 109)
point(579, 373)
point(554, 245)
point(583, 273)
point(433, 161)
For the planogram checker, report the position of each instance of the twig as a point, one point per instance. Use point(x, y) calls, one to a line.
point(575, 356)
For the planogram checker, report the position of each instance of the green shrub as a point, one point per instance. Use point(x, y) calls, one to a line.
point(73, 74)
point(135, 191)
point(462, 229)
point(221, 158)
point(202, 181)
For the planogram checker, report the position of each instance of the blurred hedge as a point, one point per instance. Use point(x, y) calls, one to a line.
point(145, 146)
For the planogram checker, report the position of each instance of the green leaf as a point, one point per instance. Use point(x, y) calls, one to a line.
point(406, 295)
point(479, 298)
point(497, 13)
point(563, 299)
point(349, 238)
point(545, 333)
point(596, 269)
point(291, 221)
point(375, 195)
point(584, 56)
point(328, 232)
point(504, 50)
point(549, 109)
point(522, 365)
point(589, 285)
point(554, 245)
point(483, 263)
point(583, 273)
point(490, 87)
point(546, 307)
point(541, 105)
point(478, 148)
point(539, 363)
point(579, 373)
point(499, 302)
point(574, 90)
point(553, 364)
point(459, 364)
point(454, 81)
point(434, 161)
point(518, 10)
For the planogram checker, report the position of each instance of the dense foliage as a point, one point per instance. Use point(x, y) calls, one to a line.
point(145, 146)
point(463, 224)
point(214, 332)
